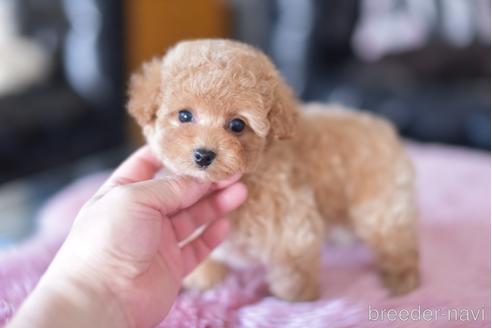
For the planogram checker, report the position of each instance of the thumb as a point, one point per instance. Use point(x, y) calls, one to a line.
point(166, 195)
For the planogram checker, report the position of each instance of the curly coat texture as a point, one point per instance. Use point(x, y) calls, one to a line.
point(307, 169)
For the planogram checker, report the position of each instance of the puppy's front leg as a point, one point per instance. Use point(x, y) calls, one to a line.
point(208, 274)
point(293, 262)
point(296, 278)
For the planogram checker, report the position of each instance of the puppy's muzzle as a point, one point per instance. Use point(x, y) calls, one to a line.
point(203, 157)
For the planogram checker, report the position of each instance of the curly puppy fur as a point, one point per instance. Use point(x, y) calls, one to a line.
point(306, 169)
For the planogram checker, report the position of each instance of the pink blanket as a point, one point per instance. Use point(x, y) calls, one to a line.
point(454, 195)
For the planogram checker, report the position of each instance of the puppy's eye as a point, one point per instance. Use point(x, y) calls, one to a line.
point(237, 125)
point(185, 116)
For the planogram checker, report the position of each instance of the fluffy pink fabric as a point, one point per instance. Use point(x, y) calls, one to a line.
point(454, 193)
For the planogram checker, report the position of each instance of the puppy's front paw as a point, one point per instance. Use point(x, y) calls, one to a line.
point(305, 293)
point(206, 276)
point(402, 282)
point(294, 286)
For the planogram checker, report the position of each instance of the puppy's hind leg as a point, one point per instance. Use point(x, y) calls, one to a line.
point(389, 226)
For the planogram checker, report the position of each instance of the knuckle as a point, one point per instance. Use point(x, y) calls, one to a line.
point(176, 185)
point(123, 193)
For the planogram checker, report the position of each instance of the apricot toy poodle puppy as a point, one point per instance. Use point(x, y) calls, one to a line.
point(213, 108)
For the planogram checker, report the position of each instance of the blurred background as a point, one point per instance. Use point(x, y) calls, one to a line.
point(64, 65)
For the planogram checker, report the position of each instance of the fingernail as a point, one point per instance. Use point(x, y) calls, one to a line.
point(235, 177)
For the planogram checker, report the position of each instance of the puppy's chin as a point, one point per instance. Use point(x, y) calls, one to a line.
point(211, 174)
point(204, 175)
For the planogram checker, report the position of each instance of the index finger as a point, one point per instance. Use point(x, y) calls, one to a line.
point(141, 165)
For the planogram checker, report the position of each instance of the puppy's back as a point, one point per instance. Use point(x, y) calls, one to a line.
point(352, 151)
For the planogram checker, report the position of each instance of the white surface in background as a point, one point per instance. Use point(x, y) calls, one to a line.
point(23, 62)
point(393, 26)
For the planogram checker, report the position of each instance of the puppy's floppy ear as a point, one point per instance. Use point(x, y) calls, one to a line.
point(144, 92)
point(284, 112)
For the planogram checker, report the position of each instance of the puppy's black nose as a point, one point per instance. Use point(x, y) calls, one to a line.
point(203, 157)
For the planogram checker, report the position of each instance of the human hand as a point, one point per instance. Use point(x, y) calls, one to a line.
point(122, 256)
